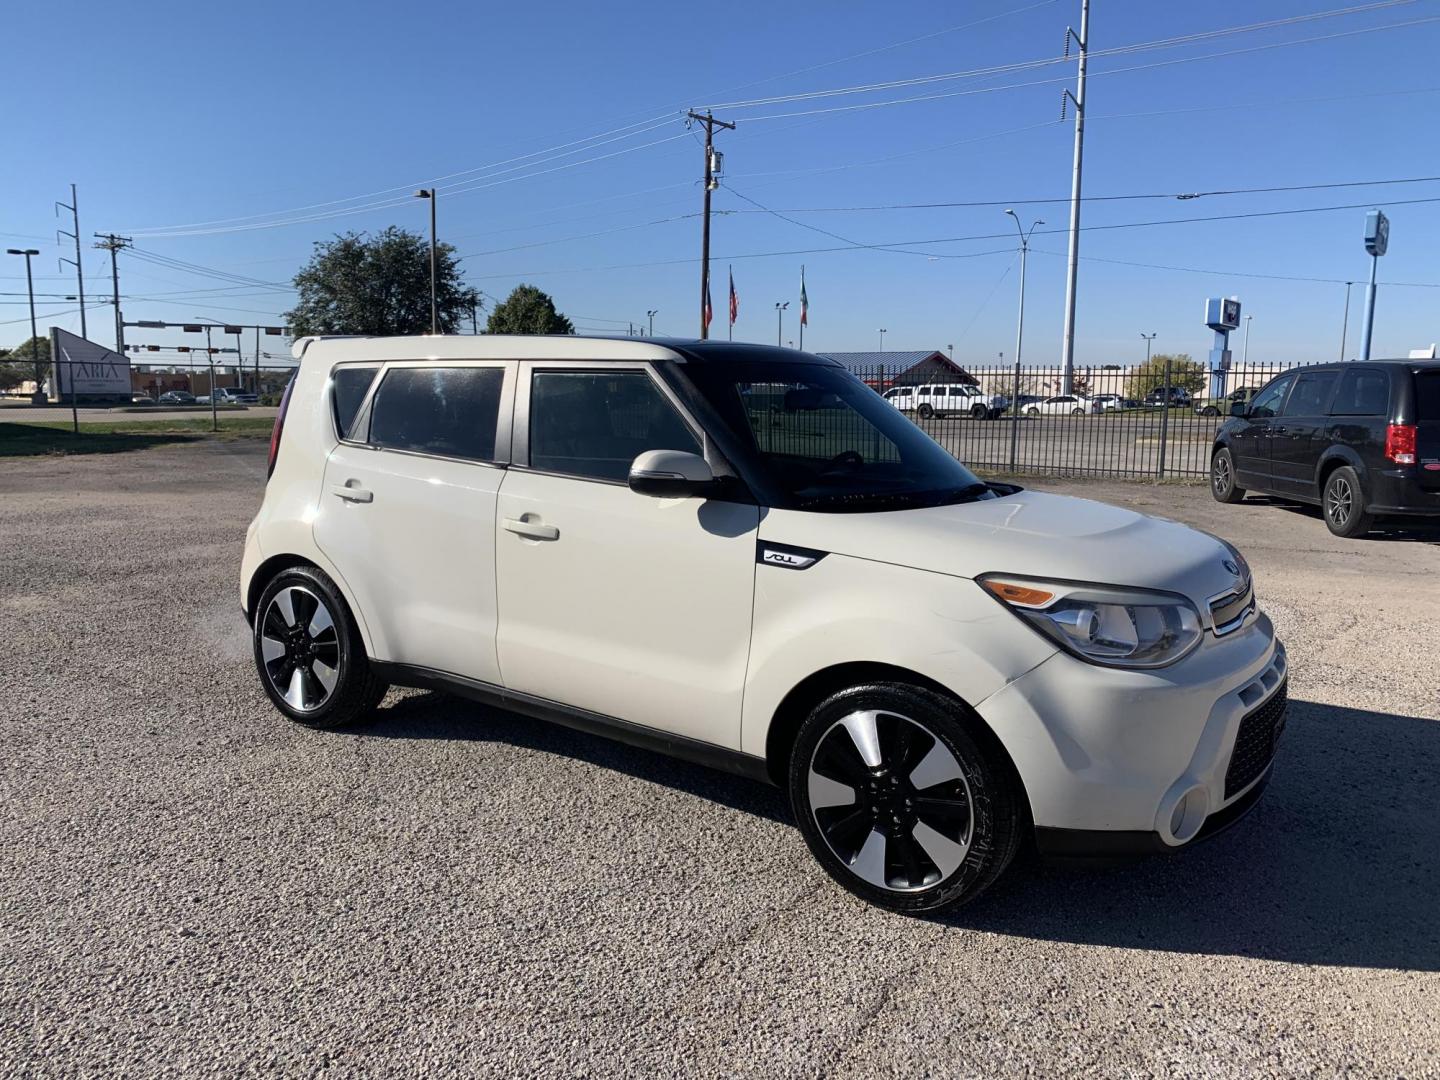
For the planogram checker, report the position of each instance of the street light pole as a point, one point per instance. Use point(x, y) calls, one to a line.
point(429, 193)
point(1345, 320)
point(881, 332)
point(651, 316)
point(1245, 349)
point(34, 334)
point(1020, 333)
point(1148, 339)
point(780, 322)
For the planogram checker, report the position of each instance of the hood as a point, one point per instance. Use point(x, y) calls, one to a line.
point(1029, 533)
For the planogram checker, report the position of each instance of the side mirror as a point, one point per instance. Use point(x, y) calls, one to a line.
point(1239, 408)
point(670, 474)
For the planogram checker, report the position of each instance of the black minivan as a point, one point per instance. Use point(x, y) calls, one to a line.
point(1360, 439)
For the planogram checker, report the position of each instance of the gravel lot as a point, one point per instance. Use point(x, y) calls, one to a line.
point(189, 885)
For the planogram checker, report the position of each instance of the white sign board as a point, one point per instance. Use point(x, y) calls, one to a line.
point(92, 370)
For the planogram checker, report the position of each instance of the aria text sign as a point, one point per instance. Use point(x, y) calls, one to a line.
point(87, 369)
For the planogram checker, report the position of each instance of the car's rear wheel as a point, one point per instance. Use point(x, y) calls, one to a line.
point(925, 412)
point(1032, 411)
point(1222, 478)
point(1077, 412)
point(1344, 504)
point(309, 653)
point(1209, 410)
point(898, 802)
point(978, 412)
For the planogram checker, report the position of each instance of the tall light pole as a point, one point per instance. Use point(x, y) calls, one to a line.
point(429, 193)
point(1082, 40)
point(1345, 320)
point(1148, 339)
point(1024, 235)
point(651, 316)
point(951, 350)
point(780, 322)
point(34, 334)
point(881, 332)
point(1245, 349)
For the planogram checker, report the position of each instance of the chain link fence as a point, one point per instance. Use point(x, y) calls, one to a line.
point(1114, 423)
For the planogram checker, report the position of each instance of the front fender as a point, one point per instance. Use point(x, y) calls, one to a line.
point(847, 610)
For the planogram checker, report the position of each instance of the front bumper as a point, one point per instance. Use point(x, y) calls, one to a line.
point(1118, 759)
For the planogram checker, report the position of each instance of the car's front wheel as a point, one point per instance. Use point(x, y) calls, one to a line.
point(1032, 411)
point(1222, 478)
point(309, 653)
point(1344, 504)
point(978, 412)
point(897, 800)
point(925, 412)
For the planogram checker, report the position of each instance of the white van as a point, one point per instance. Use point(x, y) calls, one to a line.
point(947, 399)
point(740, 555)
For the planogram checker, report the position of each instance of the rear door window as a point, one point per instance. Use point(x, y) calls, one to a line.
point(594, 424)
point(1311, 394)
point(349, 385)
point(445, 411)
point(1363, 392)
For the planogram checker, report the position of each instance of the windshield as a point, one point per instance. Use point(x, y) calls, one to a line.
point(822, 440)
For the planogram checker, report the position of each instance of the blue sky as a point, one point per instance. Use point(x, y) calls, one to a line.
point(174, 114)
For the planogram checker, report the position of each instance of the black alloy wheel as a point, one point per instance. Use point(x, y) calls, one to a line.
point(1222, 478)
point(1344, 504)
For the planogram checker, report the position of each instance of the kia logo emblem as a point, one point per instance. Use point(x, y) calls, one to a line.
point(1230, 565)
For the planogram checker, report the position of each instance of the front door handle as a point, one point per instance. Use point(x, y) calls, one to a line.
point(1279, 430)
point(531, 530)
point(352, 494)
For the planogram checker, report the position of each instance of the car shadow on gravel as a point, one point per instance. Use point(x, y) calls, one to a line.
point(1339, 863)
point(430, 715)
point(1414, 529)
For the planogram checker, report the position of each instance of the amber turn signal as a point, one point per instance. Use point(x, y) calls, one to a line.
point(1023, 595)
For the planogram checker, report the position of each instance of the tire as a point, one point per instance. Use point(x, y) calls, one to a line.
point(1210, 410)
point(1032, 411)
point(904, 847)
point(925, 412)
point(1222, 478)
point(303, 630)
point(978, 412)
point(1077, 412)
point(1343, 504)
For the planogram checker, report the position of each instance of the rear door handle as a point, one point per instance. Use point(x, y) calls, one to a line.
point(532, 530)
point(352, 494)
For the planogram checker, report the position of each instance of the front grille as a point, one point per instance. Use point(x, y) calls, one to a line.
point(1255, 742)
point(1227, 610)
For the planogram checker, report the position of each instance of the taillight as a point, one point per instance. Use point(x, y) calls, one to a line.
point(280, 424)
point(1400, 443)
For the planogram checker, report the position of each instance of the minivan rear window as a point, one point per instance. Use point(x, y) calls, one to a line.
point(1427, 395)
point(450, 412)
point(347, 394)
point(1363, 392)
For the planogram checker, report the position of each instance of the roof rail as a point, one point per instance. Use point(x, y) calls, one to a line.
point(297, 350)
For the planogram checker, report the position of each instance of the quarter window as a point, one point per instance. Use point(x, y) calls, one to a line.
point(1363, 392)
point(449, 412)
point(594, 424)
point(347, 393)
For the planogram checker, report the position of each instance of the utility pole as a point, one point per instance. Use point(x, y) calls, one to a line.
point(711, 183)
point(257, 360)
point(74, 208)
point(115, 244)
point(28, 254)
point(1072, 269)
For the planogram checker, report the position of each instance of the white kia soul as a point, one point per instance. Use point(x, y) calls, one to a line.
point(744, 556)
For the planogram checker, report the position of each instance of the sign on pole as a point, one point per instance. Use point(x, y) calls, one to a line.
point(87, 369)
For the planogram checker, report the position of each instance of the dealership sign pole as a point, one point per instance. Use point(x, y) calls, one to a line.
point(1377, 239)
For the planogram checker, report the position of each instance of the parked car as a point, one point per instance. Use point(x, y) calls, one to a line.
point(177, 397)
point(742, 556)
point(227, 396)
point(1362, 440)
point(1112, 403)
point(1221, 405)
point(141, 399)
point(1179, 398)
point(943, 399)
point(1059, 405)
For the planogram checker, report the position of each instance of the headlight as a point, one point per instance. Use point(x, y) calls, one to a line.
point(1117, 627)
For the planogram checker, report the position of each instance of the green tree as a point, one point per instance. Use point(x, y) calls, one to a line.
point(1185, 373)
point(527, 310)
point(379, 285)
point(17, 365)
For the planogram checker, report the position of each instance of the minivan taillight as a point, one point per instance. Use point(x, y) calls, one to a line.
point(1400, 443)
point(280, 425)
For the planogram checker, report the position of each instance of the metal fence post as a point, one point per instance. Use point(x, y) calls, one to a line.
point(1015, 417)
point(1165, 419)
